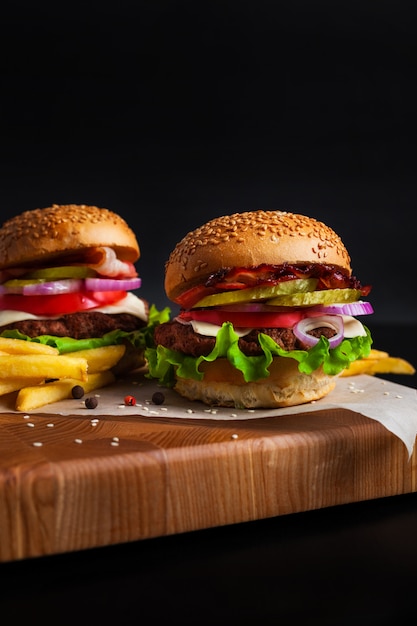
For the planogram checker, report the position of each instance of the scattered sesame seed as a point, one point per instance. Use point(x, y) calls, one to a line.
point(235, 436)
point(26, 417)
point(31, 424)
point(78, 440)
point(37, 444)
point(50, 425)
point(114, 443)
point(115, 439)
point(190, 411)
point(233, 415)
point(398, 396)
point(386, 393)
point(121, 406)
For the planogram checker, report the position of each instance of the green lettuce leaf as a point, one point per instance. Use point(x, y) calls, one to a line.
point(164, 364)
point(140, 339)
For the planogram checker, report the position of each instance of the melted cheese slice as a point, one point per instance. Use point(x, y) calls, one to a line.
point(352, 327)
point(130, 304)
point(211, 330)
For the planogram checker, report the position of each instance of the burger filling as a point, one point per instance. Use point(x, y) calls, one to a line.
point(76, 302)
point(304, 312)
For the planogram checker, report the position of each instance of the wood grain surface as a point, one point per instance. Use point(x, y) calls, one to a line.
point(128, 478)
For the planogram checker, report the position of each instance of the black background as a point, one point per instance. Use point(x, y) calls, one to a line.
point(171, 113)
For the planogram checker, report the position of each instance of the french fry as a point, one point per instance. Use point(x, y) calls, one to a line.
point(100, 359)
point(20, 346)
point(42, 366)
point(34, 397)
point(379, 362)
point(14, 384)
point(377, 354)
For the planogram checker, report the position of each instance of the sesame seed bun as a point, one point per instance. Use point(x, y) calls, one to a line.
point(223, 385)
point(59, 230)
point(250, 239)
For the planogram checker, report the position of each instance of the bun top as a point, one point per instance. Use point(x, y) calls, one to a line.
point(58, 230)
point(250, 239)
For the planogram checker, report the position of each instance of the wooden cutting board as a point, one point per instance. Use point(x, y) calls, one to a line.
point(130, 477)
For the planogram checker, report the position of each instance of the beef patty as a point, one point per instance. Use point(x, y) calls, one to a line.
point(81, 325)
point(182, 338)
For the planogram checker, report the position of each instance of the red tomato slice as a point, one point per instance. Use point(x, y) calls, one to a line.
point(59, 304)
point(245, 319)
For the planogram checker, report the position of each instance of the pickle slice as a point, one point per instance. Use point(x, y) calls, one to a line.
point(326, 296)
point(258, 293)
point(56, 273)
point(21, 282)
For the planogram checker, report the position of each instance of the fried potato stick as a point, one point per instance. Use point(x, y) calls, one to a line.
point(34, 397)
point(20, 346)
point(379, 362)
point(14, 384)
point(100, 359)
point(42, 366)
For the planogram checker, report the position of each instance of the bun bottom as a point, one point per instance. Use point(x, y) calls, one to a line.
point(225, 386)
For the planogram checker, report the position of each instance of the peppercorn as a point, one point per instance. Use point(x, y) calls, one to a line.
point(77, 392)
point(91, 402)
point(158, 397)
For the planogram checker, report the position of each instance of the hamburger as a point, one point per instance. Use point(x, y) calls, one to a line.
point(67, 278)
point(268, 309)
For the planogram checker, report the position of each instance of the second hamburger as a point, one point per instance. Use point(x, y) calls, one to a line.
point(67, 278)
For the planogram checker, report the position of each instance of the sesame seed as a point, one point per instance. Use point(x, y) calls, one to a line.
point(50, 425)
point(235, 436)
point(31, 424)
point(78, 440)
point(37, 444)
point(114, 443)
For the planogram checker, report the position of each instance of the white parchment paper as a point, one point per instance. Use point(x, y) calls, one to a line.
point(392, 405)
